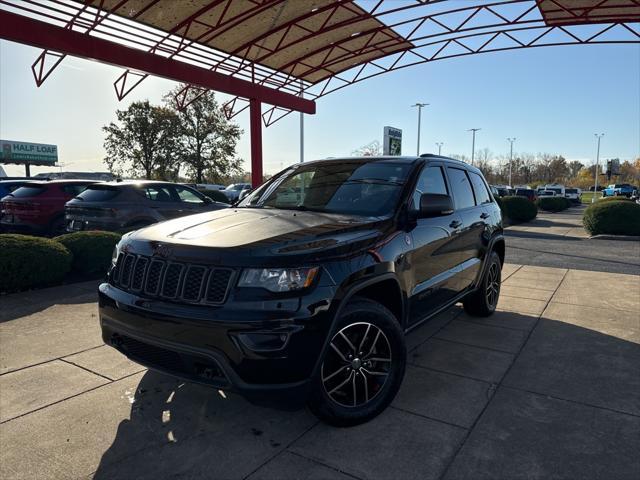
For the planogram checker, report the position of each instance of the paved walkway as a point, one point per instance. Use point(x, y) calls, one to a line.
point(548, 387)
point(558, 240)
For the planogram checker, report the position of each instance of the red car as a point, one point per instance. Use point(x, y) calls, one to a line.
point(39, 206)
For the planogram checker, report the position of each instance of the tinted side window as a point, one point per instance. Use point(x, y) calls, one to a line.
point(158, 194)
point(431, 181)
point(188, 196)
point(462, 193)
point(480, 189)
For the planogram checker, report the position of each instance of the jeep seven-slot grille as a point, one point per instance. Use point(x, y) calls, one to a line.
point(171, 280)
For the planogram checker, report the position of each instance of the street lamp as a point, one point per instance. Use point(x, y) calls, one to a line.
point(439, 145)
point(510, 140)
point(419, 105)
point(473, 143)
point(595, 186)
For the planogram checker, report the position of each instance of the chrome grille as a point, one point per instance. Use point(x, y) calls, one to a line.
point(179, 282)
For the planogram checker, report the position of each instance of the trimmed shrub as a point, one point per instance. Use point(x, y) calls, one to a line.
point(499, 202)
point(27, 262)
point(215, 195)
point(613, 218)
point(91, 250)
point(615, 199)
point(553, 204)
point(519, 209)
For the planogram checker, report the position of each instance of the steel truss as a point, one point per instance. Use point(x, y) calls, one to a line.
point(434, 31)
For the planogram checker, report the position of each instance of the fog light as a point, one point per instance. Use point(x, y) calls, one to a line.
point(264, 342)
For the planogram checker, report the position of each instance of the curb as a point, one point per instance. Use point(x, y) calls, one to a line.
point(628, 238)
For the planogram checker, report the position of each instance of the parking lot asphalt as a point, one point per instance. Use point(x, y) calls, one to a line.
point(558, 240)
point(548, 387)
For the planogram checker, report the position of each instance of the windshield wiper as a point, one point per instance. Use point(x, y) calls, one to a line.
point(372, 181)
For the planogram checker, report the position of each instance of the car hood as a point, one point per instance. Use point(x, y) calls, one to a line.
point(241, 235)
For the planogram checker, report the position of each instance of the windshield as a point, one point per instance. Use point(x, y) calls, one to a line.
point(571, 190)
point(346, 187)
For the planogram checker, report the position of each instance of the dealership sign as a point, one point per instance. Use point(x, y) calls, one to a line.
point(392, 144)
point(32, 153)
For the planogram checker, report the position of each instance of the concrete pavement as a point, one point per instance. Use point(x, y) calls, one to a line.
point(546, 387)
point(558, 240)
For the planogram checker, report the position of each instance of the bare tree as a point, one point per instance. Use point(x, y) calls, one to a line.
point(373, 149)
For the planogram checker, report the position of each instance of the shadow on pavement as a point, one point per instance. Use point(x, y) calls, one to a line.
point(22, 304)
point(178, 428)
point(540, 422)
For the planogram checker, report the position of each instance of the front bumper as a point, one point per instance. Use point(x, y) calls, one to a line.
point(210, 345)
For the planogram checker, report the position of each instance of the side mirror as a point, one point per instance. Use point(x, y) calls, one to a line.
point(435, 205)
point(207, 200)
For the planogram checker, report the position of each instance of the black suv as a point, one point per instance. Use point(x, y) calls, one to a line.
point(306, 288)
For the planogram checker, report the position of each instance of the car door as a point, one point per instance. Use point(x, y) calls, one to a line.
point(432, 262)
point(469, 240)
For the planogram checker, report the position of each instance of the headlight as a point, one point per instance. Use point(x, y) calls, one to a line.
point(114, 255)
point(278, 279)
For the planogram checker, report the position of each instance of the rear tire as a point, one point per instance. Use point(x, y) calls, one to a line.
point(484, 300)
point(362, 368)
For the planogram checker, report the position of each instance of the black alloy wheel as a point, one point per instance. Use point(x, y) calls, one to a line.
point(362, 367)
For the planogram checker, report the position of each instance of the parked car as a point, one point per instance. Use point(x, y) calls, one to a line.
point(234, 190)
point(618, 190)
point(38, 207)
point(557, 188)
point(502, 190)
point(8, 186)
point(310, 297)
point(125, 206)
point(527, 192)
point(546, 193)
point(573, 194)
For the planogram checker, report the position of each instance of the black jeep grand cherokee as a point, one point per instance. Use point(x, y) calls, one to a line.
point(306, 289)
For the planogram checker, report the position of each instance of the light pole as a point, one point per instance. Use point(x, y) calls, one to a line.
point(595, 186)
point(510, 140)
point(473, 143)
point(419, 105)
point(439, 145)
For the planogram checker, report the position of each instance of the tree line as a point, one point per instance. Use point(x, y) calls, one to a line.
point(165, 142)
point(533, 170)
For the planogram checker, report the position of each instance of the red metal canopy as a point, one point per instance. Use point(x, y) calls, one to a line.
point(288, 53)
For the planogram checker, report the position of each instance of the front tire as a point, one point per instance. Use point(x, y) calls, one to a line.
point(362, 368)
point(484, 300)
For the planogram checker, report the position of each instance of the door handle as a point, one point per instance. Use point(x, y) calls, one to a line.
point(484, 215)
point(455, 224)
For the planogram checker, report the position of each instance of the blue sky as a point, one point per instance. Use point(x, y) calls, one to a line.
point(551, 99)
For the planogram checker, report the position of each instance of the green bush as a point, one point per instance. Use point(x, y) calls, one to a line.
point(615, 199)
point(27, 262)
point(518, 209)
point(215, 195)
point(613, 218)
point(553, 204)
point(91, 250)
point(499, 202)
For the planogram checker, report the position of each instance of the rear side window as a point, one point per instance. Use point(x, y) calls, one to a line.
point(431, 181)
point(480, 189)
point(461, 187)
point(24, 192)
point(99, 194)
